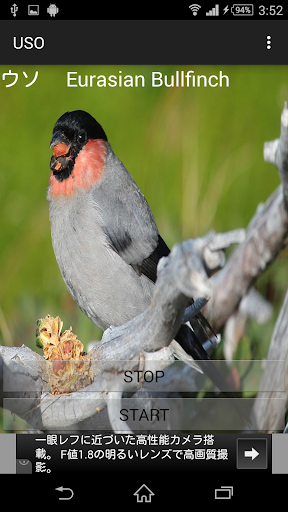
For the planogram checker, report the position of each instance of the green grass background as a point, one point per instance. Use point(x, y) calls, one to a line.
point(196, 154)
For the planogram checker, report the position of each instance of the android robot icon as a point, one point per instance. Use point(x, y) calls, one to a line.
point(52, 10)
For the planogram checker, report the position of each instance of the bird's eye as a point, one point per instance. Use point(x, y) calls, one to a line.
point(81, 137)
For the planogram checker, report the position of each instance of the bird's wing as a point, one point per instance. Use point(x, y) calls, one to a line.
point(128, 224)
point(148, 267)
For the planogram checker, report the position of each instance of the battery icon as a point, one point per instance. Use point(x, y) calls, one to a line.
point(242, 9)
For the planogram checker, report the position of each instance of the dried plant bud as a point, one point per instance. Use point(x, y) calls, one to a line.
point(69, 368)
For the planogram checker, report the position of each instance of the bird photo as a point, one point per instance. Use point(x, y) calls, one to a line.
point(102, 179)
point(104, 235)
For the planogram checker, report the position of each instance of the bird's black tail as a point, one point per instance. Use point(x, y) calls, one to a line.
point(192, 346)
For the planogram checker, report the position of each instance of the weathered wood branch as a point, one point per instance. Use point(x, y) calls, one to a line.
point(276, 152)
point(269, 415)
point(180, 275)
point(253, 306)
point(266, 236)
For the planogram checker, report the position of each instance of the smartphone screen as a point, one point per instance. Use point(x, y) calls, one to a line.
point(143, 259)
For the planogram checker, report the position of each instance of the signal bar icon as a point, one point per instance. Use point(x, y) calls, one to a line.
point(214, 11)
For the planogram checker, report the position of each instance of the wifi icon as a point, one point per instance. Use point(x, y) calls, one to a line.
point(194, 8)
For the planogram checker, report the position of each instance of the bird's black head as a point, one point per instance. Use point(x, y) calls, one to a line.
point(70, 134)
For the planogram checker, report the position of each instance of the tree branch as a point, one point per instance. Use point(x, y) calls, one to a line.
point(276, 152)
point(269, 415)
point(266, 237)
point(180, 276)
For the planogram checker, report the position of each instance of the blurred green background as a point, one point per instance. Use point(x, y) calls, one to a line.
point(196, 154)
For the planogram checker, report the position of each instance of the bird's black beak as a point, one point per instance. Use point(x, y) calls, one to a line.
point(59, 138)
point(61, 148)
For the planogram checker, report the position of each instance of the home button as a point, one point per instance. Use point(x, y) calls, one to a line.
point(144, 494)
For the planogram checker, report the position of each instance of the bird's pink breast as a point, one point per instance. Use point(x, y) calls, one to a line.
point(87, 170)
